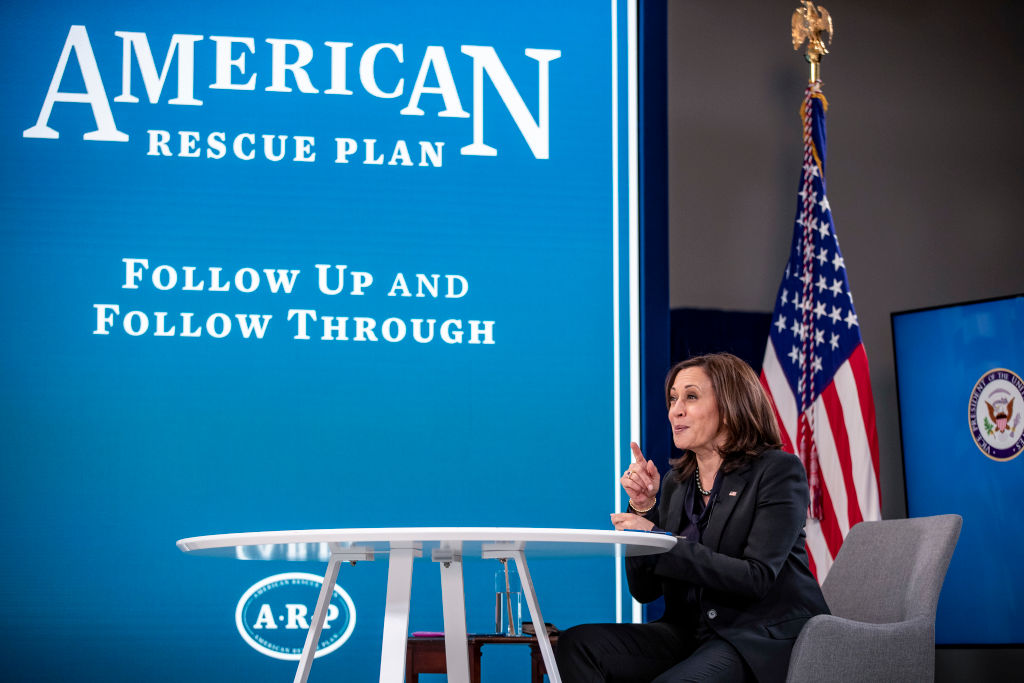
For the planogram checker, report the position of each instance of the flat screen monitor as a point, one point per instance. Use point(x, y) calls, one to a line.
point(959, 372)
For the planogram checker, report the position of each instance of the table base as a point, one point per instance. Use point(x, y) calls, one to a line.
point(426, 655)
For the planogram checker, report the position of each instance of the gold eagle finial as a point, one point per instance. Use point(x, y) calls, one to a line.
point(810, 23)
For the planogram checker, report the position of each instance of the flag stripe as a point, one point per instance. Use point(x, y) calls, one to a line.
point(832, 476)
point(817, 549)
point(862, 474)
point(781, 394)
point(830, 526)
point(841, 439)
point(862, 375)
point(787, 444)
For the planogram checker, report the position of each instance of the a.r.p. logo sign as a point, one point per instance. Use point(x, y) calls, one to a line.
point(273, 615)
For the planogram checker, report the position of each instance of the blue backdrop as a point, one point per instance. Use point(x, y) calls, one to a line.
point(950, 361)
point(222, 222)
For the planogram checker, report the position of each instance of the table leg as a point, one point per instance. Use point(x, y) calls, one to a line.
point(316, 625)
point(475, 653)
point(453, 601)
point(396, 615)
point(536, 665)
point(538, 621)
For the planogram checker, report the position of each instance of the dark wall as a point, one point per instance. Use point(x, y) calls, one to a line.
point(924, 170)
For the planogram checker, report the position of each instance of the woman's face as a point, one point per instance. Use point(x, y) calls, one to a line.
point(693, 412)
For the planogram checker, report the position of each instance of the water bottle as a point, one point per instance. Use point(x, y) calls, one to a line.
point(508, 600)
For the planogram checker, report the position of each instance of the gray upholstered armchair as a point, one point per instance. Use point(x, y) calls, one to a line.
point(882, 590)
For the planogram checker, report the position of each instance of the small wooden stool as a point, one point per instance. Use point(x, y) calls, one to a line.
point(425, 655)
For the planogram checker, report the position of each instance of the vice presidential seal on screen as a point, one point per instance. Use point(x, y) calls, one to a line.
point(994, 414)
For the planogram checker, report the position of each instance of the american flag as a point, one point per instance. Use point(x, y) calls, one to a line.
point(815, 368)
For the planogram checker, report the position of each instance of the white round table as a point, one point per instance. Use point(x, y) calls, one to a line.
point(445, 545)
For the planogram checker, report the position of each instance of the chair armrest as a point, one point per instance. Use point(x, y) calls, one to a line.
point(831, 648)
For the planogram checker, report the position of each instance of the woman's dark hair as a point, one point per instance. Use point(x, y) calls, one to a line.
point(744, 409)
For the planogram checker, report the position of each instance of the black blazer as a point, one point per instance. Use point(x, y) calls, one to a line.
point(751, 575)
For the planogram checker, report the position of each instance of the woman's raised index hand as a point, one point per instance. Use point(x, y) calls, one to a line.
point(641, 479)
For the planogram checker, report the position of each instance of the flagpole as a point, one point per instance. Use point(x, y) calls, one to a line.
point(811, 23)
point(815, 71)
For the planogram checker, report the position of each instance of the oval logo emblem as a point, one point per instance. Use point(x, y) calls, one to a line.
point(273, 615)
point(994, 414)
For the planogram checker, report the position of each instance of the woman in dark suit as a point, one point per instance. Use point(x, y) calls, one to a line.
point(737, 587)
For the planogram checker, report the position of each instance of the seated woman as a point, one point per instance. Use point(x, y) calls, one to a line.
point(737, 587)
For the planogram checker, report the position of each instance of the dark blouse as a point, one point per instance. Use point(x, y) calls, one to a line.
point(695, 513)
point(696, 516)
